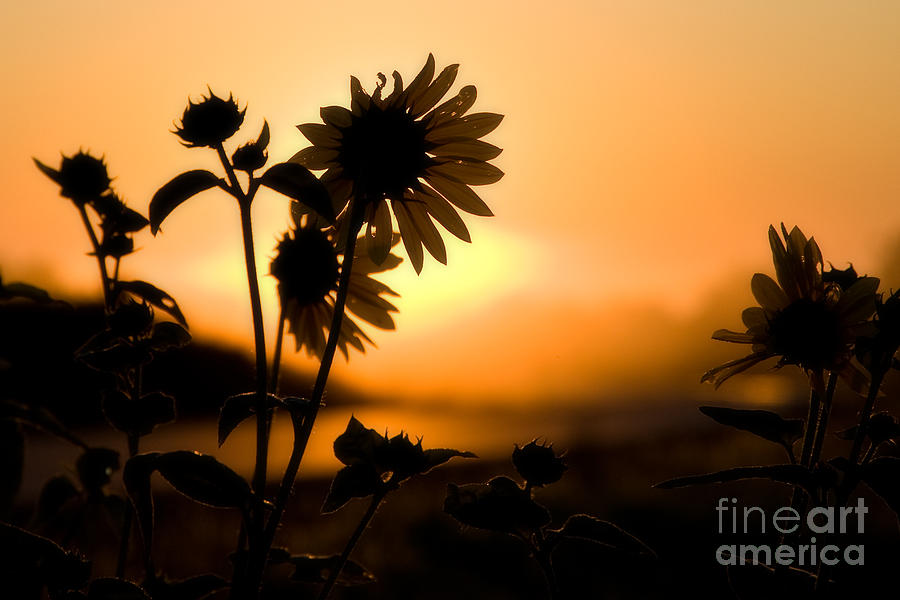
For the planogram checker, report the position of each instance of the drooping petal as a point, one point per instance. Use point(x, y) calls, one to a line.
point(428, 233)
point(718, 375)
point(460, 195)
point(442, 212)
point(726, 335)
point(767, 293)
point(754, 317)
point(378, 233)
point(314, 158)
point(409, 235)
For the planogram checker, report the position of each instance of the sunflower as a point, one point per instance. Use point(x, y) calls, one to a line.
point(405, 149)
point(806, 319)
point(306, 266)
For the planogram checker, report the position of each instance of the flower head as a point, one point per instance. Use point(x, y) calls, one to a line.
point(252, 155)
point(306, 266)
point(405, 149)
point(81, 177)
point(808, 318)
point(210, 121)
point(538, 464)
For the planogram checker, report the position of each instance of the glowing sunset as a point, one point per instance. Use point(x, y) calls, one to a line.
point(647, 148)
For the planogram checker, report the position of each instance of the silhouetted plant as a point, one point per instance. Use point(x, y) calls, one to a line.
point(504, 506)
point(826, 322)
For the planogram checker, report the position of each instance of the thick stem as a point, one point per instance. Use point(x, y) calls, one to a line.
point(542, 555)
point(812, 418)
point(866, 413)
point(133, 443)
point(351, 543)
point(303, 429)
point(823, 418)
point(101, 261)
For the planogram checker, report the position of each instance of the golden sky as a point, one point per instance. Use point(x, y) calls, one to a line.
point(647, 147)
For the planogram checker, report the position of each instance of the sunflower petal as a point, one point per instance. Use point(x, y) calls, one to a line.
point(397, 93)
point(726, 335)
point(314, 157)
point(453, 108)
point(359, 99)
point(421, 82)
point(379, 232)
point(409, 235)
point(336, 116)
point(435, 91)
point(754, 317)
point(472, 172)
point(470, 149)
point(324, 136)
point(470, 126)
point(460, 195)
point(767, 293)
point(375, 313)
point(429, 234)
point(718, 375)
point(442, 212)
point(858, 302)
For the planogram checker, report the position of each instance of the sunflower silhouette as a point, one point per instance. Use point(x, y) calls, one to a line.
point(306, 266)
point(405, 149)
point(804, 319)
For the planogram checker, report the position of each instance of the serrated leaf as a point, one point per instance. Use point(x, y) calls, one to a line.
point(592, 529)
point(177, 191)
point(204, 479)
point(790, 474)
point(354, 481)
point(298, 183)
point(236, 409)
point(154, 296)
point(111, 588)
point(763, 423)
point(499, 505)
point(317, 569)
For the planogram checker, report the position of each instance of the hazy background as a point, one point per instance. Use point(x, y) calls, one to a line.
point(647, 148)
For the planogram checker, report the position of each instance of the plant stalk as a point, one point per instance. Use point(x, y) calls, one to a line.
point(101, 260)
point(351, 543)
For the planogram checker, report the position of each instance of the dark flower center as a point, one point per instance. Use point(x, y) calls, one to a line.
point(306, 267)
point(808, 334)
point(383, 151)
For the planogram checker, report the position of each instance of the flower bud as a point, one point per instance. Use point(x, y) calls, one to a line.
point(83, 178)
point(249, 157)
point(538, 464)
point(210, 121)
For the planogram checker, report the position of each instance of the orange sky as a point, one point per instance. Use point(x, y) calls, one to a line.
point(647, 147)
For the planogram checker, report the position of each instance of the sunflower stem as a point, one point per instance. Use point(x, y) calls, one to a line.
point(351, 543)
point(542, 555)
point(823, 418)
point(812, 418)
point(303, 427)
point(276, 357)
point(865, 415)
point(101, 260)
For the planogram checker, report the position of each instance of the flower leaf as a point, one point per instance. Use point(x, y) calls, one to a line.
point(168, 335)
point(140, 417)
point(438, 456)
point(154, 296)
point(236, 409)
point(29, 557)
point(499, 505)
point(767, 425)
point(203, 479)
point(354, 481)
point(592, 529)
point(111, 588)
point(180, 189)
point(357, 445)
point(790, 474)
point(317, 569)
point(297, 182)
